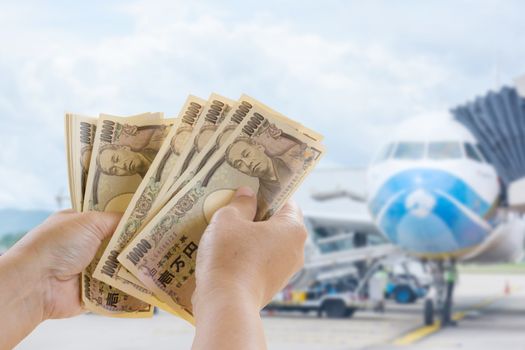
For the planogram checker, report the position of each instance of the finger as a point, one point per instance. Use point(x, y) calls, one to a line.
point(102, 224)
point(244, 202)
point(289, 213)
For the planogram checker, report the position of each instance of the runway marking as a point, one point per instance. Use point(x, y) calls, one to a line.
point(425, 331)
point(416, 335)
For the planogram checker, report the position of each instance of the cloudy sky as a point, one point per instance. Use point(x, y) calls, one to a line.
point(349, 69)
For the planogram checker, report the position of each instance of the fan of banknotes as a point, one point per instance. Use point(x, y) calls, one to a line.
point(168, 177)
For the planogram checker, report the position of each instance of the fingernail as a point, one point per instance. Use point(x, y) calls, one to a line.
point(244, 191)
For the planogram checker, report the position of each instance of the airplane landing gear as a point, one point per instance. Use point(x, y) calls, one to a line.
point(428, 312)
point(440, 296)
point(450, 281)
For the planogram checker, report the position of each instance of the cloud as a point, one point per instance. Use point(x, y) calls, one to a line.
point(349, 71)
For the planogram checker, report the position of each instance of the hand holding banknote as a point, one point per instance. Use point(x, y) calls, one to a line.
point(241, 265)
point(254, 259)
point(40, 274)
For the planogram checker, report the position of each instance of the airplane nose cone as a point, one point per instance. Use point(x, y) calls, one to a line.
point(420, 203)
point(430, 212)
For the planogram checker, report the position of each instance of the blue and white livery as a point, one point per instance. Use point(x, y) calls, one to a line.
point(431, 192)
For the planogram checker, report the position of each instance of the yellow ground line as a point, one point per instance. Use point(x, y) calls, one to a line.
point(425, 331)
point(419, 333)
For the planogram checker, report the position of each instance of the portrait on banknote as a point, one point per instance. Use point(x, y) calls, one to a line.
point(271, 156)
point(129, 152)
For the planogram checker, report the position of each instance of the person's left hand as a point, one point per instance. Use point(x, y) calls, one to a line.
point(60, 248)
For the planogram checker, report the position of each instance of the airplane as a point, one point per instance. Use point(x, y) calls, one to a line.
point(432, 192)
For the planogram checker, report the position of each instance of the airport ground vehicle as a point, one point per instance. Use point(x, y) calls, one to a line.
point(339, 292)
point(332, 298)
point(336, 305)
point(405, 289)
point(408, 281)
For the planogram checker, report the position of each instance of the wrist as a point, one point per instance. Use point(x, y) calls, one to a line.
point(227, 316)
point(22, 296)
point(30, 283)
point(28, 277)
point(223, 294)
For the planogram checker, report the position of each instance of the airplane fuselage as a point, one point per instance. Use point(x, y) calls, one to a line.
point(431, 191)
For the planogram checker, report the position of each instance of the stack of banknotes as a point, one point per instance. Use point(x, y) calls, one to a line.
point(168, 177)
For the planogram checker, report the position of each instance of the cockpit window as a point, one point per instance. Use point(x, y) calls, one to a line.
point(444, 150)
point(409, 150)
point(481, 154)
point(472, 152)
point(385, 153)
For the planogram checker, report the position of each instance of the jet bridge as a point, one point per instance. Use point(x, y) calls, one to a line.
point(497, 120)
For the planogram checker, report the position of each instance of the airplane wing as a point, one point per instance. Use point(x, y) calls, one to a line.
point(336, 190)
point(339, 193)
point(360, 222)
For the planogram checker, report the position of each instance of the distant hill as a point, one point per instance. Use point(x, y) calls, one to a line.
point(15, 221)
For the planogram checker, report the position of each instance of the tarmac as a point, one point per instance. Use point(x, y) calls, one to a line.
point(490, 310)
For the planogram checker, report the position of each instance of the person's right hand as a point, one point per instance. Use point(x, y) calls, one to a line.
point(240, 259)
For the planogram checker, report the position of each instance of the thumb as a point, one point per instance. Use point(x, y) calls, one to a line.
point(102, 224)
point(244, 202)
